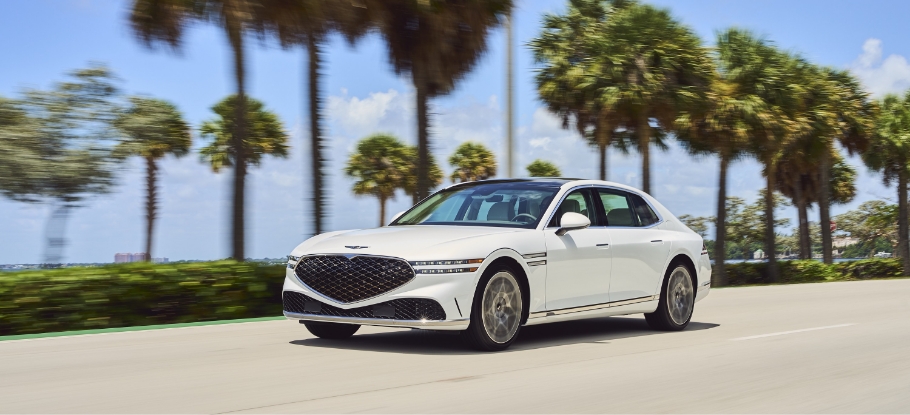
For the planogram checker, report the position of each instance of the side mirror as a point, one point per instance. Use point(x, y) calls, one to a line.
point(397, 215)
point(572, 221)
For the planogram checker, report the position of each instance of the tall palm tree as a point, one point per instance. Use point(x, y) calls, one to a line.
point(164, 21)
point(380, 164)
point(889, 153)
point(436, 42)
point(152, 129)
point(264, 135)
point(472, 162)
point(570, 78)
point(767, 78)
point(658, 68)
point(840, 112)
point(308, 23)
point(722, 129)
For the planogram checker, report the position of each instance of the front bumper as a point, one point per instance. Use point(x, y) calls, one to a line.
point(453, 292)
point(414, 324)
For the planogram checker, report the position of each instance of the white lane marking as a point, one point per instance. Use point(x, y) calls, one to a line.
point(792, 331)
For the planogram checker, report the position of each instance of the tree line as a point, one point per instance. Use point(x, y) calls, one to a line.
point(64, 144)
point(628, 75)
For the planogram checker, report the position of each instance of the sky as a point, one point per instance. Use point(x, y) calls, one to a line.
point(43, 40)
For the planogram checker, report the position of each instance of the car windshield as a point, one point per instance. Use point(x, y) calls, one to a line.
point(510, 204)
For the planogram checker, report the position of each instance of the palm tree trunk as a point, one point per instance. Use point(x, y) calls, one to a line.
point(903, 244)
point(644, 146)
point(720, 229)
point(151, 197)
point(805, 247)
point(239, 137)
point(382, 200)
point(770, 243)
point(603, 135)
point(316, 142)
point(824, 204)
point(423, 150)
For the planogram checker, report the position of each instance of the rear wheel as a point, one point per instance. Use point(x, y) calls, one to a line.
point(496, 312)
point(677, 301)
point(335, 331)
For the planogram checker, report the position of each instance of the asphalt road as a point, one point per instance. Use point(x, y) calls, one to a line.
point(837, 347)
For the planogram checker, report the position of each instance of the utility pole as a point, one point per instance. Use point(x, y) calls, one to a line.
point(510, 145)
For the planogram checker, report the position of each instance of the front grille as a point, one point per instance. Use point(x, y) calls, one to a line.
point(347, 280)
point(404, 308)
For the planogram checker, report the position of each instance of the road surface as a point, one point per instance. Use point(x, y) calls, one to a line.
point(836, 347)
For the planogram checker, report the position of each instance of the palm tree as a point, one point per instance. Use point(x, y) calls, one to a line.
point(436, 42)
point(164, 21)
point(842, 112)
point(562, 50)
point(152, 129)
point(768, 80)
point(380, 164)
point(265, 135)
point(472, 162)
point(798, 178)
point(889, 153)
point(308, 23)
point(658, 68)
point(723, 130)
point(543, 168)
point(410, 185)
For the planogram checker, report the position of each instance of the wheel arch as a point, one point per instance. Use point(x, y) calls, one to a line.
point(685, 260)
point(505, 260)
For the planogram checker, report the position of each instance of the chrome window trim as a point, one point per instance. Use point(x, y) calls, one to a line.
point(349, 256)
point(660, 217)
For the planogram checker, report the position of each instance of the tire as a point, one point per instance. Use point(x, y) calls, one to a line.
point(334, 331)
point(677, 301)
point(496, 311)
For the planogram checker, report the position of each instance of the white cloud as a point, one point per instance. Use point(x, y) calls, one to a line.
point(880, 77)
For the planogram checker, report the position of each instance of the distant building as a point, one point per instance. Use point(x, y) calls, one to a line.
point(160, 260)
point(136, 257)
point(758, 254)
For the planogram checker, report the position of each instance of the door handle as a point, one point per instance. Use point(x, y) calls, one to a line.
point(603, 245)
point(657, 240)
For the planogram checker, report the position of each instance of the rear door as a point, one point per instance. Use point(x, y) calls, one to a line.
point(638, 246)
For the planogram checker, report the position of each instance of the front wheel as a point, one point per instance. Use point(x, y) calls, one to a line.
point(677, 300)
point(334, 331)
point(496, 312)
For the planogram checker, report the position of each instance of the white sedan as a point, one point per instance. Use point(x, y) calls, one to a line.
point(488, 257)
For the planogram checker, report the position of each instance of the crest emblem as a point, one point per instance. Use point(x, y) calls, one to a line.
point(355, 247)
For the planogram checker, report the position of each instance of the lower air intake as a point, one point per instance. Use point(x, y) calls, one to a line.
point(415, 309)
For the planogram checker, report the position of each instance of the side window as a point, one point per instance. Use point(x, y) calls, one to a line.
point(578, 201)
point(646, 216)
point(617, 208)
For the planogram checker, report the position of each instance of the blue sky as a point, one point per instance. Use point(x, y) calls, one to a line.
point(44, 39)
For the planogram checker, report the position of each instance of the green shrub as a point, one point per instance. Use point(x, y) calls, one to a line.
point(793, 272)
point(137, 295)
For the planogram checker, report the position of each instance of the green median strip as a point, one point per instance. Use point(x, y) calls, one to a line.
point(136, 328)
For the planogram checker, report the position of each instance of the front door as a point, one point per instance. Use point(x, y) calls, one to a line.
point(578, 263)
point(639, 246)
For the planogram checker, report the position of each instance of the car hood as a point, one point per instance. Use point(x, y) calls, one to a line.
point(415, 242)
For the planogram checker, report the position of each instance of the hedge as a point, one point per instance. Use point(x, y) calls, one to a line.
point(136, 295)
point(794, 272)
point(143, 294)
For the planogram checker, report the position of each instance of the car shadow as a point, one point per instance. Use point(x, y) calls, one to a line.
point(595, 330)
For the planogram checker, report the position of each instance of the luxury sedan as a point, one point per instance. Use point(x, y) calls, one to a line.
point(486, 258)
